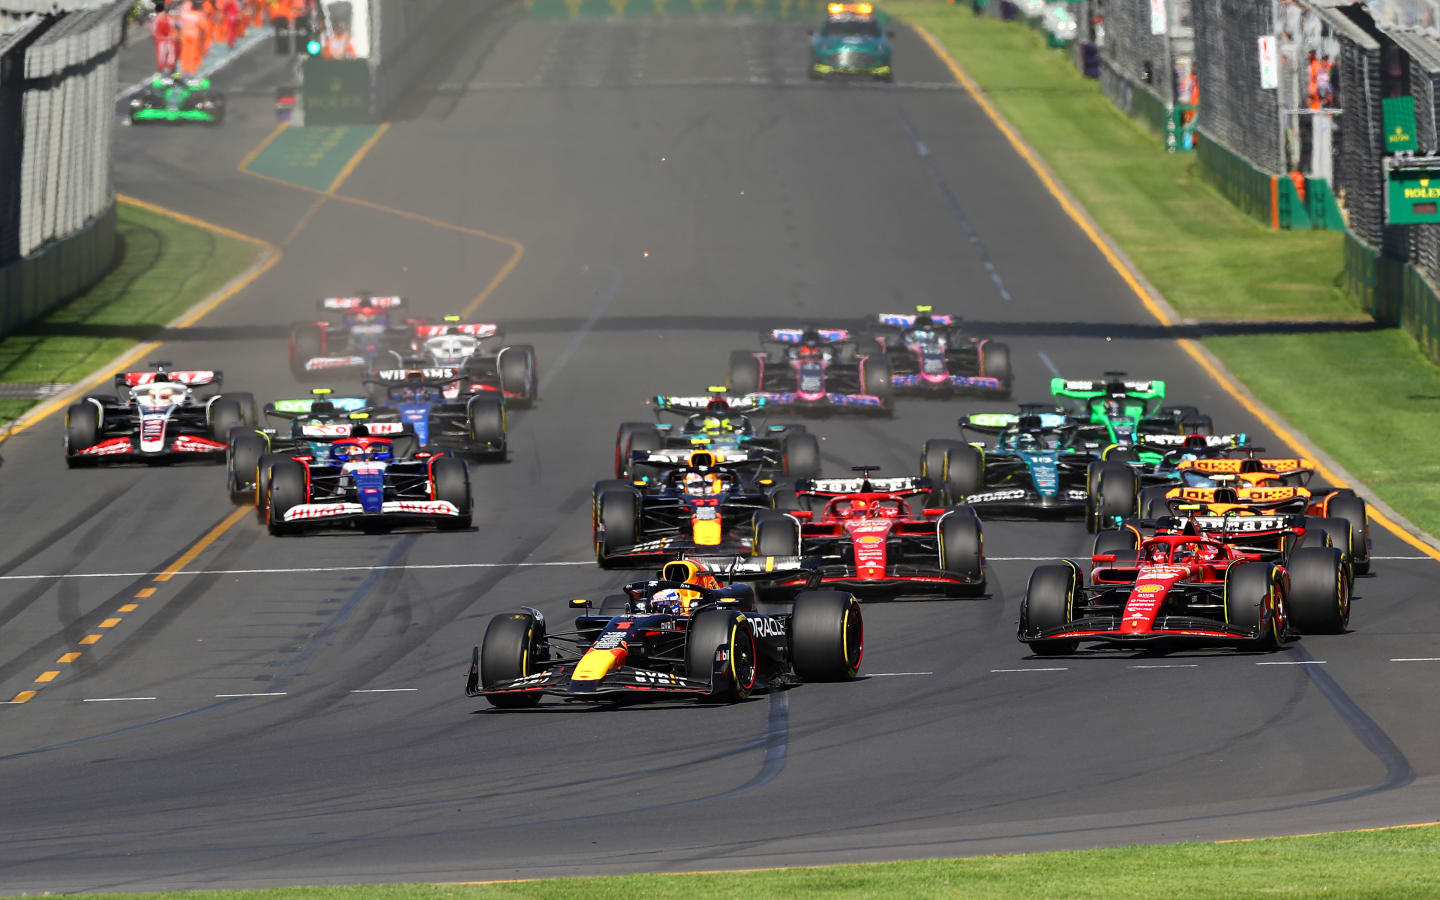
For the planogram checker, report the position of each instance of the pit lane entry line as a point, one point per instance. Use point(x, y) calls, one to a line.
point(1191, 348)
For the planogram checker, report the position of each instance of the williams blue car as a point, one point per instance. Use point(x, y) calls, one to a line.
point(850, 42)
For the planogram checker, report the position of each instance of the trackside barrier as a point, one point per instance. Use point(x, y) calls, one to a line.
point(1239, 182)
point(1393, 293)
point(1135, 100)
point(32, 285)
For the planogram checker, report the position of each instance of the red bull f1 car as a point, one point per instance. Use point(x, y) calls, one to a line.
point(360, 483)
point(161, 416)
point(814, 370)
point(686, 635)
point(930, 355)
point(877, 537)
point(1183, 588)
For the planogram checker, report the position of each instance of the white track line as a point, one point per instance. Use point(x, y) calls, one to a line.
point(1168, 666)
point(385, 691)
point(1059, 669)
point(1294, 662)
point(892, 674)
point(257, 694)
point(113, 699)
point(303, 570)
point(1417, 659)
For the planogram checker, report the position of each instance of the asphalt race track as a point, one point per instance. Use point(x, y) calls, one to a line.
point(677, 185)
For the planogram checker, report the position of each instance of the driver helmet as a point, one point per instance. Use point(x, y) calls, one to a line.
point(321, 408)
point(380, 451)
point(346, 452)
point(165, 392)
point(1026, 439)
point(718, 405)
point(1157, 554)
point(668, 600)
point(695, 484)
point(859, 508)
point(1114, 406)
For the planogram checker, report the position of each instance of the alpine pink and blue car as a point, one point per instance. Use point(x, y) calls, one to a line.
point(814, 370)
point(931, 355)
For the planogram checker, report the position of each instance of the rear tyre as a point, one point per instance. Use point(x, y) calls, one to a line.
point(517, 374)
point(485, 424)
point(225, 413)
point(875, 378)
point(631, 437)
point(1049, 603)
point(288, 489)
point(405, 445)
point(1114, 495)
point(248, 409)
point(932, 460)
point(1333, 532)
point(512, 644)
point(1252, 601)
point(1122, 455)
point(827, 636)
point(306, 343)
point(744, 372)
point(963, 472)
point(451, 482)
point(617, 514)
point(1153, 503)
point(1113, 541)
point(241, 460)
point(1352, 509)
point(82, 430)
point(995, 363)
point(721, 639)
point(962, 548)
point(801, 455)
point(783, 496)
point(776, 534)
point(1319, 590)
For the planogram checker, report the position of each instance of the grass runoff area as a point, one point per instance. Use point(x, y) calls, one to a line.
point(1397, 862)
point(165, 267)
point(1282, 322)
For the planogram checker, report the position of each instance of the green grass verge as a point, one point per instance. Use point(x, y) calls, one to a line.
point(1380, 864)
point(1214, 263)
point(166, 267)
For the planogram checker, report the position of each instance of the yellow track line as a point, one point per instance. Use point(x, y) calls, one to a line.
point(199, 546)
point(1191, 348)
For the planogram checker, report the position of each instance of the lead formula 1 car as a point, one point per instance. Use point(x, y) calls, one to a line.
point(176, 99)
point(814, 370)
point(686, 634)
point(932, 356)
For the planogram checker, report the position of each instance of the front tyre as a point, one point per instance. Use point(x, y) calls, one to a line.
point(246, 448)
point(288, 489)
point(617, 517)
point(745, 372)
point(1049, 603)
point(995, 363)
point(509, 651)
point(1254, 601)
point(827, 636)
point(450, 481)
point(720, 649)
point(82, 430)
point(962, 548)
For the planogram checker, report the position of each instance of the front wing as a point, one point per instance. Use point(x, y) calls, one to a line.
point(1196, 630)
point(322, 514)
point(899, 580)
point(795, 401)
point(945, 384)
point(1026, 502)
point(624, 681)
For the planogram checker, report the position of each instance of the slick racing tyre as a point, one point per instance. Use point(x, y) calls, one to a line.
point(287, 490)
point(511, 649)
point(1114, 494)
point(875, 378)
point(1319, 590)
point(1345, 505)
point(800, 454)
point(82, 429)
point(744, 372)
point(1153, 504)
point(517, 374)
point(827, 636)
point(776, 534)
point(783, 496)
point(263, 470)
point(1254, 597)
point(1331, 532)
point(225, 413)
point(1118, 454)
point(962, 549)
point(451, 482)
point(632, 437)
point(1049, 603)
point(995, 363)
point(720, 649)
point(617, 514)
point(962, 472)
point(485, 425)
point(241, 460)
point(306, 343)
point(932, 462)
point(1115, 541)
point(248, 410)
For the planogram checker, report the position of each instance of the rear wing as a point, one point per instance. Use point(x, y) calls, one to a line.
point(738, 403)
point(399, 376)
point(1238, 523)
point(995, 423)
point(187, 377)
point(474, 329)
point(907, 320)
point(1211, 441)
point(795, 335)
point(910, 484)
point(346, 429)
point(291, 409)
point(1237, 466)
point(1089, 389)
point(740, 567)
point(331, 304)
point(1260, 494)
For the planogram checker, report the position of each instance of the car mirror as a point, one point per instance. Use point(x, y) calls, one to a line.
point(1105, 558)
point(805, 514)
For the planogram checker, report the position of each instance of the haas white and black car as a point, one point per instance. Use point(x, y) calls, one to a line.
point(684, 635)
point(161, 416)
point(359, 482)
point(476, 355)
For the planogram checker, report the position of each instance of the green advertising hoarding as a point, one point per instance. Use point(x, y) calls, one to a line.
point(336, 91)
point(1398, 114)
point(1413, 196)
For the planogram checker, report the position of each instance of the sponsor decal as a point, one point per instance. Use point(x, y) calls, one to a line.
point(988, 496)
point(333, 362)
point(609, 641)
point(435, 372)
point(307, 511)
point(339, 429)
point(764, 626)
point(183, 376)
point(869, 539)
point(108, 448)
point(1149, 588)
point(645, 676)
point(187, 444)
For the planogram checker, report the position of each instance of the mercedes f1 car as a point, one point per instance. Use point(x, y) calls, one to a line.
point(816, 370)
point(313, 424)
point(686, 635)
point(360, 483)
point(871, 541)
point(705, 506)
point(357, 334)
point(174, 98)
point(161, 416)
point(929, 354)
point(1037, 466)
point(1183, 588)
point(721, 425)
